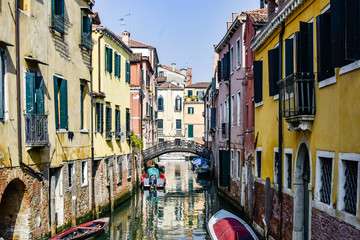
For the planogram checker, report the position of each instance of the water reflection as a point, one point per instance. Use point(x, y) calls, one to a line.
point(180, 211)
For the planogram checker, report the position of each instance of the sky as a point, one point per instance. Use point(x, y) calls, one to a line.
point(182, 31)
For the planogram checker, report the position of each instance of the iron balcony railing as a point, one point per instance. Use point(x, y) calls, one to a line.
point(86, 41)
point(297, 92)
point(36, 130)
point(58, 23)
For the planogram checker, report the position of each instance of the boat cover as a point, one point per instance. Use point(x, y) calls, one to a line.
point(230, 228)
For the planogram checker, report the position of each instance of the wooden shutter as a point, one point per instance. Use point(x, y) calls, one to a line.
point(86, 24)
point(258, 76)
point(289, 57)
point(30, 93)
point(2, 90)
point(63, 104)
point(324, 53)
point(213, 118)
point(116, 64)
point(190, 131)
point(39, 95)
point(219, 71)
point(127, 120)
point(56, 102)
point(160, 123)
point(108, 119)
point(273, 63)
point(98, 117)
point(310, 48)
point(302, 48)
point(352, 29)
point(180, 104)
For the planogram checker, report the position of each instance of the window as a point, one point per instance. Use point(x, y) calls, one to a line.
point(161, 74)
point(82, 100)
point(232, 166)
point(190, 131)
point(190, 110)
point(258, 162)
point(178, 103)
point(119, 169)
point(231, 59)
point(2, 85)
point(324, 176)
point(34, 94)
point(161, 104)
point(349, 182)
point(178, 124)
point(160, 123)
point(232, 110)
point(289, 56)
point(117, 66)
point(99, 118)
point(127, 72)
point(238, 107)
point(274, 76)
point(238, 164)
point(85, 31)
point(83, 173)
point(220, 115)
point(129, 166)
point(128, 121)
point(276, 165)
point(238, 53)
point(161, 140)
point(225, 112)
point(200, 94)
point(57, 16)
point(190, 93)
point(61, 103)
point(304, 48)
point(108, 59)
point(288, 158)
point(258, 81)
point(117, 124)
point(108, 123)
point(71, 172)
point(147, 80)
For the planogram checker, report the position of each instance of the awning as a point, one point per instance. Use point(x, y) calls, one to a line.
point(30, 58)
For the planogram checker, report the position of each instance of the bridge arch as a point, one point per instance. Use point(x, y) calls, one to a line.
point(176, 146)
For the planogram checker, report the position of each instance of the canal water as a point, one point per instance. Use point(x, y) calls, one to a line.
point(180, 211)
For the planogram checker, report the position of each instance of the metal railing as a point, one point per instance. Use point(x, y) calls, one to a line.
point(86, 41)
point(297, 92)
point(36, 130)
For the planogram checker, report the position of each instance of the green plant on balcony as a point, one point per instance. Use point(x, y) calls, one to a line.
point(136, 142)
point(196, 97)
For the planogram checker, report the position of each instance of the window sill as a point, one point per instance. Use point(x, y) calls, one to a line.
point(327, 82)
point(238, 67)
point(350, 67)
point(276, 97)
point(288, 191)
point(61, 130)
point(259, 104)
point(84, 185)
point(85, 131)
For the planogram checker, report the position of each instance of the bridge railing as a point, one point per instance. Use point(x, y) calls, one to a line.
point(186, 145)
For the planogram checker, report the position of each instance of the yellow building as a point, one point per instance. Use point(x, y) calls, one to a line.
point(111, 90)
point(45, 162)
point(312, 47)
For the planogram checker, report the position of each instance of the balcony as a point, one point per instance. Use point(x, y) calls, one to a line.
point(86, 41)
point(58, 23)
point(298, 106)
point(36, 130)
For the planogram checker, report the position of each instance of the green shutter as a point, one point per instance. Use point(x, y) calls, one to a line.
point(30, 93)
point(160, 123)
point(190, 131)
point(127, 72)
point(273, 63)
point(101, 117)
point(56, 103)
point(180, 104)
point(63, 104)
point(39, 95)
point(1, 86)
point(108, 59)
point(86, 24)
point(119, 65)
point(98, 117)
point(52, 7)
point(116, 64)
point(108, 119)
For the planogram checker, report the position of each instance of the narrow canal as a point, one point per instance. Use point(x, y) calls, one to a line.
point(181, 211)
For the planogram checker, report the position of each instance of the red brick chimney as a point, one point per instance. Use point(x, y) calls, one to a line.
point(189, 76)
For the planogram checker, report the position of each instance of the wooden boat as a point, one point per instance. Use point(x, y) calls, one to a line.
point(84, 231)
point(226, 226)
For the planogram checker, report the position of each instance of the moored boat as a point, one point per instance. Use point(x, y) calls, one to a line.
point(83, 231)
point(226, 226)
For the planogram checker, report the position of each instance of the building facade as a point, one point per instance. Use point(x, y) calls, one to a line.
point(307, 150)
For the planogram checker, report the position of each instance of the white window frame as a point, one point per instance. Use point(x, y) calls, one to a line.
point(220, 115)
point(238, 108)
point(238, 163)
point(72, 175)
point(341, 180)
point(232, 110)
point(276, 150)
point(318, 175)
point(225, 113)
point(258, 149)
point(84, 172)
point(238, 53)
point(288, 151)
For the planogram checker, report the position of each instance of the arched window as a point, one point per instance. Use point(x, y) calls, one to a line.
point(178, 103)
point(160, 104)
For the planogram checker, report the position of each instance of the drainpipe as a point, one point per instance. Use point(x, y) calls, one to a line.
point(99, 59)
point(280, 128)
point(92, 131)
point(229, 103)
point(18, 82)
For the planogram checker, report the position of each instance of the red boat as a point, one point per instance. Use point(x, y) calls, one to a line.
point(226, 226)
point(83, 231)
point(145, 183)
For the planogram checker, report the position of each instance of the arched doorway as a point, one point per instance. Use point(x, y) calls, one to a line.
point(14, 212)
point(302, 178)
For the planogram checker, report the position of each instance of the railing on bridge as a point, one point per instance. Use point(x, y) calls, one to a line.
point(176, 146)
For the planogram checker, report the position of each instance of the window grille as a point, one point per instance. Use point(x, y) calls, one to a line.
point(350, 186)
point(289, 170)
point(326, 169)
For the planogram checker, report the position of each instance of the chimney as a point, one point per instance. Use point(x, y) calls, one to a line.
point(262, 4)
point(281, 3)
point(189, 77)
point(270, 8)
point(126, 38)
point(173, 66)
point(234, 16)
point(228, 25)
